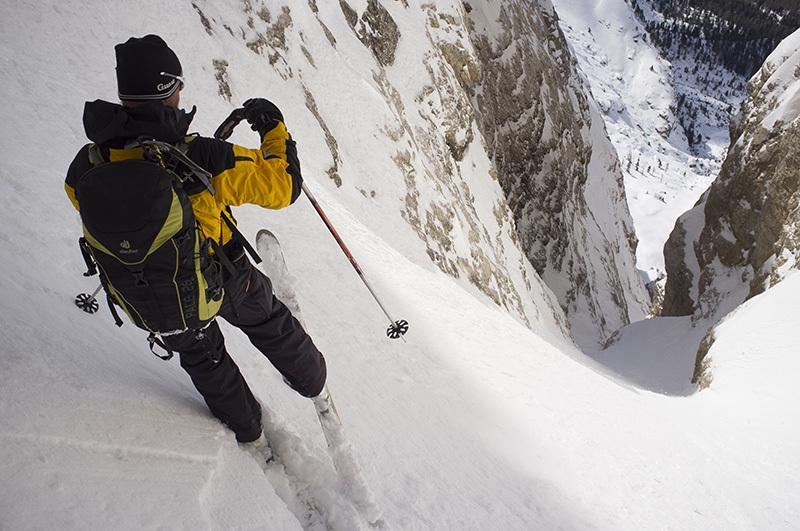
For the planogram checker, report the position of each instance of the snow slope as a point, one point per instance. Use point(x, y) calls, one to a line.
point(477, 422)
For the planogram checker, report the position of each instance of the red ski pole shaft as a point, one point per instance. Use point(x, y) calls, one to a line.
point(332, 230)
point(397, 327)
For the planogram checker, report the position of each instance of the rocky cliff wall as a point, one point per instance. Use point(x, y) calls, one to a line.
point(743, 234)
point(556, 165)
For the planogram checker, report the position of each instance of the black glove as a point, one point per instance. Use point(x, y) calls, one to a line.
point(262, 115)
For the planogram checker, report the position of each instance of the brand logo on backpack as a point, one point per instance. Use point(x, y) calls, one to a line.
point(126, 248)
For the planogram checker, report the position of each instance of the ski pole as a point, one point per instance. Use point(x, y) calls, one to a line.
point(397, 328)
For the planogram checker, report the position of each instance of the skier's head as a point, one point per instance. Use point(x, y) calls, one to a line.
point(148, 70)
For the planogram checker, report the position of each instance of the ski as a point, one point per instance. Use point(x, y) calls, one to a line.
point(344, 461)
point(306, 484)
point(274, 266)
point(340, 450)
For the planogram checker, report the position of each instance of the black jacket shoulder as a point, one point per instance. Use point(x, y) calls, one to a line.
point(80, 165)
point(214, 156)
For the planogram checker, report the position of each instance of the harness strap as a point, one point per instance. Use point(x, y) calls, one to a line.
point(91, 267)
point(210, 349)
point(219, 253)
point(96, 155)
point(117, 320)
point(200, 335)
point(237, 234)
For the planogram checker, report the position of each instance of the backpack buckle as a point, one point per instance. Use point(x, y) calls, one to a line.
point(153, 340)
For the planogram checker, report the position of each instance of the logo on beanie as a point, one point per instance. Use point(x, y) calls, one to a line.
point(165, 86)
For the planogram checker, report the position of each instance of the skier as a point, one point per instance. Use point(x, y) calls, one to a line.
point(150, 80)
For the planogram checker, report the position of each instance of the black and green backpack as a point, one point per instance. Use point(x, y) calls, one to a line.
point(140, 231)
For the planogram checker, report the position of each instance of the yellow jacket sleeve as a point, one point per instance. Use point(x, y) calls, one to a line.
point(269, 177)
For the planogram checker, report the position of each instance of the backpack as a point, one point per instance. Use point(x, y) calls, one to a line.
point(140, 231)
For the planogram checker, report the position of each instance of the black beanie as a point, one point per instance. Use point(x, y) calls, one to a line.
point(141, 65)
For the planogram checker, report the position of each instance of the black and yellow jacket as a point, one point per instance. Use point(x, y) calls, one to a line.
point(269, 177)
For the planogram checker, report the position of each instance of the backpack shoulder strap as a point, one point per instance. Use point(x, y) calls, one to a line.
point(96, 155)
point(183, 144)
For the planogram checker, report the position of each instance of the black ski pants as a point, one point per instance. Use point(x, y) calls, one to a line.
point(271, 328)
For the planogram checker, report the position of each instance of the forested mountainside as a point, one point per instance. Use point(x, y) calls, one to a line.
point(714, 46)
point(737, 34)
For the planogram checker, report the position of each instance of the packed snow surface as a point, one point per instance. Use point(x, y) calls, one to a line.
point(475, 422)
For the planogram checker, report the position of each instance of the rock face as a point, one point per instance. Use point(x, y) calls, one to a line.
point(375, 28)
point(556, 166)
point(744, 233)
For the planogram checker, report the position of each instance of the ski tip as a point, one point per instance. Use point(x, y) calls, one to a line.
point(264, 233)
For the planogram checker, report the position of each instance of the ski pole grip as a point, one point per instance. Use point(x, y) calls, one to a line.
point(225, 129)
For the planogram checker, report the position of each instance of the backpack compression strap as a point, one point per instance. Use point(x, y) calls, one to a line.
point(200, 335)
